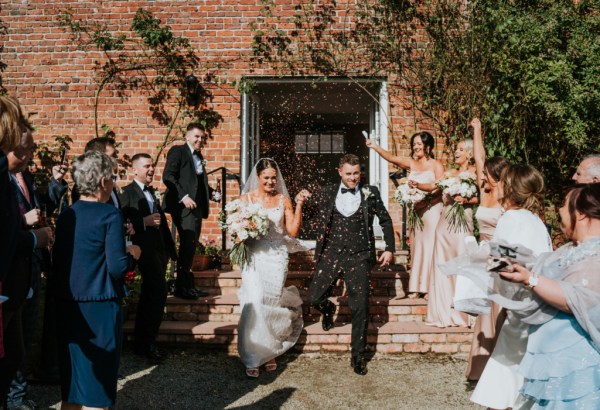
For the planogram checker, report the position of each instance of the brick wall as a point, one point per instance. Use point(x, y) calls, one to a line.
point(57, 83)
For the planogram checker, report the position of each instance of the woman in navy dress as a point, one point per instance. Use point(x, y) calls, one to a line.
point(90, 260)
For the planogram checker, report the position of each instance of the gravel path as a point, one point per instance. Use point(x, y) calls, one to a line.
point(201, 379)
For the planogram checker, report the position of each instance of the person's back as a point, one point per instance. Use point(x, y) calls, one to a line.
point(89, 253)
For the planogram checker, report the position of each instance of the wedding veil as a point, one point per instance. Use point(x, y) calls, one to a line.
point(252, 181)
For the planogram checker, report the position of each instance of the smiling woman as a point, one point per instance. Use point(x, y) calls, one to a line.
point(424, 172)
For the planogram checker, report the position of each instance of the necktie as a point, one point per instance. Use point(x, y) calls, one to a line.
point(23, 186)
point(345, 190)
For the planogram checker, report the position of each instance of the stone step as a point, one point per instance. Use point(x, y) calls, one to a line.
point(391, 337)
point(226, 308)
point(391, 282)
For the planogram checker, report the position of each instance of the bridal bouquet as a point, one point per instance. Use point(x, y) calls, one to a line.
point(465, 185)
point(409, 197)
point(244, 221)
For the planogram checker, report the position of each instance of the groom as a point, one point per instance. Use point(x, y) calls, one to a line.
point(346, 246)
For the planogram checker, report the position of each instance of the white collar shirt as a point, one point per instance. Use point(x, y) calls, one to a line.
point(147, 194)
point(348, 203)
point(197, 161)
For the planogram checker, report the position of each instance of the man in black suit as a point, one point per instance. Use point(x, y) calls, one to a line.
point(140, 205)
point(16, 281)
point(346, 245)
point(187, 200)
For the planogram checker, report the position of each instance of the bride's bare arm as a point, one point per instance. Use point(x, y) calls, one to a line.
point(293, 217)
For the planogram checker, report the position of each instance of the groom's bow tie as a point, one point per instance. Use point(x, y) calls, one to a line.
point(352, 191)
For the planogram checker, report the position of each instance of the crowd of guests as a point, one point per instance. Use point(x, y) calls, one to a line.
point(102, 234)
point(526, 353)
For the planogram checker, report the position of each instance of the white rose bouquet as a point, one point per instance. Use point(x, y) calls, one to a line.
point(409, 197)
point(244, 221)
point(465, 185)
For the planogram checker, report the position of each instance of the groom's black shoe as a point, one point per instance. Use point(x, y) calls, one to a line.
point(359, 364)
point(328, 318)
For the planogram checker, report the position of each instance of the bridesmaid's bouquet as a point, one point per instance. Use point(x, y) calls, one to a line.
point(409, 197)
point(244, 221)
point(465, 185)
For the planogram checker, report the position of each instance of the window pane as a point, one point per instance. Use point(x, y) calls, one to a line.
point(301, 143)
point(325, 143)
point(313, 144)
point(337, 143)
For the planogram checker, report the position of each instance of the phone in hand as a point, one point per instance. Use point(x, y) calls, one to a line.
point(497, 264)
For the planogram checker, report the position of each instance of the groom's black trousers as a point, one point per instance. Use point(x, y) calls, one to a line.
point(355, 269)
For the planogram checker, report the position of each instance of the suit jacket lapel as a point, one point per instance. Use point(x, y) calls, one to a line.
point(143, 204)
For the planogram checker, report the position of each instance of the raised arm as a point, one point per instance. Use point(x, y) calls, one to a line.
point(402, 162)
point(478, 149)
point(293, 217)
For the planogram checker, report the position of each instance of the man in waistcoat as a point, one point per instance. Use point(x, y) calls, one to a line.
point(346, 246)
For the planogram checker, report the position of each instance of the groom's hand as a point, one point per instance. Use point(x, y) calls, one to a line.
point(386, 258)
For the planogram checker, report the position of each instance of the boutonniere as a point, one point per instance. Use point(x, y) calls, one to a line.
point(119, 190)
point(156, 195)
point(367, 192)
point(203, 162)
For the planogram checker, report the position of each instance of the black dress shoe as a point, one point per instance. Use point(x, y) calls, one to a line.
point(150, 352)
point(186, 294)
point(328, 318)
point(359, 364)
point(199, 292)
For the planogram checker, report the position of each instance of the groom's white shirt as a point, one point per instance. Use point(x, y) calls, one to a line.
point(347, 204)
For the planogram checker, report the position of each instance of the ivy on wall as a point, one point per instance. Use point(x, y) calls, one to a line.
point(530, 69)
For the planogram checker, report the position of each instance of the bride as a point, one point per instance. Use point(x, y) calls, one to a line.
point(271, 318)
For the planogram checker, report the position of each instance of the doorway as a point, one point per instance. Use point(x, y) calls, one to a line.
point(307, 126)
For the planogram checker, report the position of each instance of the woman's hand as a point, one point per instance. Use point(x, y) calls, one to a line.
point(461, 200)
point(518, 275)
point(302, 196)
point(371, 144)
point(134, 251)
point(476, 124)
point(412, 184)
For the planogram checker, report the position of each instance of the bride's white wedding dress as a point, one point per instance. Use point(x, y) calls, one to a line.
point(271, 318)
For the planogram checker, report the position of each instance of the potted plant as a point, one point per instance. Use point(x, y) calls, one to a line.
point(207, 255)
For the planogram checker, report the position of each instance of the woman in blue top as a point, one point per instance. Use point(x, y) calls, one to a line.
point(562, 363)
point(90, 261)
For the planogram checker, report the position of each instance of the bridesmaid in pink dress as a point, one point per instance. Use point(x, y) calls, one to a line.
point(424, 171)
point(487, 215)
point(449, 243)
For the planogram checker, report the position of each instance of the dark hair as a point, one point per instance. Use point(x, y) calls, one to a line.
point(140, 155)
point(349, 159)
point(428, 142)
point(263, 164)
point(584, 198)
point(522, 184)
point(494, 167)
point(195, 125)
point(99, 144)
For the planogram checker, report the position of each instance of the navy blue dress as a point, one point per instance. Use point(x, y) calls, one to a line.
point(90, 262)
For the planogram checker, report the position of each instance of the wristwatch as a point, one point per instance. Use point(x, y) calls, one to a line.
point(532, 281)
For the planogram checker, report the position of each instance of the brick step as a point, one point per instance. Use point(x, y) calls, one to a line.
point(226, 308)
point(391, 282)
point(391, 337)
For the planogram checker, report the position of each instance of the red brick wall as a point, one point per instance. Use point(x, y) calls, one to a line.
point(57, 83)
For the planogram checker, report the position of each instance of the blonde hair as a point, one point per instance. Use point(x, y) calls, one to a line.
point(12, 124)
point(468, 143)
point(522, 187)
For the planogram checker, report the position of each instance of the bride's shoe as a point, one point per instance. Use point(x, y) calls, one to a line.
point(252, 372)
point(271, 366)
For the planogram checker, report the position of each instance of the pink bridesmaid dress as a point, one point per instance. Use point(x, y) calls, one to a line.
point(449, 243)
point(421, 240)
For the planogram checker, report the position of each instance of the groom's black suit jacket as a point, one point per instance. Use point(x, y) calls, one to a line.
point(373, 206)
